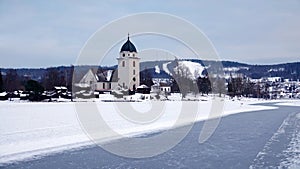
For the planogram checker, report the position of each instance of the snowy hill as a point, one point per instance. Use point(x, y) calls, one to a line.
point(285, 71)
point(165, 69)
point(191, 69)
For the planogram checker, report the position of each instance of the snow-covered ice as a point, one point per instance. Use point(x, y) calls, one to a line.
point(32, 129)
point(283, 148)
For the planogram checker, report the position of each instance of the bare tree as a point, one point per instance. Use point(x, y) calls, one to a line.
point(51, 78)
point(12, 81)
point(218, 85)
point(235, 86)
point(184, 82)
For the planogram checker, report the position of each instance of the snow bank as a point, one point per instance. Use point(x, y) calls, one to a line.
point(28, 129)
point(290, 103)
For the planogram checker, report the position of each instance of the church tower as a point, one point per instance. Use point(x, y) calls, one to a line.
point(128, 66)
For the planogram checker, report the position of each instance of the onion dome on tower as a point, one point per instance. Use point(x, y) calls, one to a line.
point(128, 46)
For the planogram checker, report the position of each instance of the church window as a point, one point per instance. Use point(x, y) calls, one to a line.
point(133, 72)
point(133, 55)
point(123, 63)
point(103, 85)
point(128, 54)
point(123, 54)
point(109, 85)
point(133, 63)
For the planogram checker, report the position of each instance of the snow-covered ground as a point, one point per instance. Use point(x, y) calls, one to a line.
point(33, 129)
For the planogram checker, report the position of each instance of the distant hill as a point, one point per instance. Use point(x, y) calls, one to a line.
point(164, 68)
point(285, 71)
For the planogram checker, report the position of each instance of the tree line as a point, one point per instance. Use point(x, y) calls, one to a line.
point(11, 81)
point(234, 86)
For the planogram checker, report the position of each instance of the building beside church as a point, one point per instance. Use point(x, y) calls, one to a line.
point(126, 76)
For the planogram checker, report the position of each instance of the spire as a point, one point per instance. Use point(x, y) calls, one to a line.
point(128, 35)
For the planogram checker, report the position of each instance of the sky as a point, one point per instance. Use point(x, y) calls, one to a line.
point(36, 34)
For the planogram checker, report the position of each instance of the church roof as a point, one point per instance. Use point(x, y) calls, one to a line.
point(128, 46)
point(108, 76)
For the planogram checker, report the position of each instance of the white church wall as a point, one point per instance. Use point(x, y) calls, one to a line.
point(128, 69)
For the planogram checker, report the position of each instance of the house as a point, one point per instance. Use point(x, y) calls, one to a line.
point(3, 96)
point(155, 88)
point(161, 88)
point(165, 88)
point(99, 81)
point(60, 89)
point(143, 89)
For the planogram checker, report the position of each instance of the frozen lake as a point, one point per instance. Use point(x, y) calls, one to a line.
point(257, 139)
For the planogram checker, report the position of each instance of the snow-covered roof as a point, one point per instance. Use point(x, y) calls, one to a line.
point(3, 94)
point(60, 88)
point(273, 79)
point(106, 76)
point(109, 75)
point(164, 85)
point(142, 87)
point(83, 85)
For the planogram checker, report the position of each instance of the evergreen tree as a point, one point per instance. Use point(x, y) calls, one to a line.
point(146, 78)
point(35, 89)
point(34, 86)
point(69, 77)
point(1, 82)
point(204, 85)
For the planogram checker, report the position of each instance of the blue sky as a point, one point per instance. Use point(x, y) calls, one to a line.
point(51, 33)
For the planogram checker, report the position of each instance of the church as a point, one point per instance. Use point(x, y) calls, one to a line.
point(126, 76)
